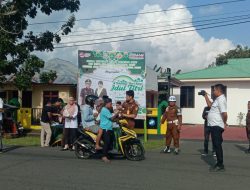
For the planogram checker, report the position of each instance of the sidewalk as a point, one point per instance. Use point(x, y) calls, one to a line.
point(197, 132)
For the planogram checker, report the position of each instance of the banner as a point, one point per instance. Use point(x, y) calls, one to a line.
point(112, 73)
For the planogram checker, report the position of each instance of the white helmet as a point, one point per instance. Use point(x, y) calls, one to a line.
point(172, 99)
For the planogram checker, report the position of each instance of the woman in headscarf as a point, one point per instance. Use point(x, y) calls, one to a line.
point(70, 127)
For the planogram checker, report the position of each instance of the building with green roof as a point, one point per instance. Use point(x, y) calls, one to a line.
point(235, 76)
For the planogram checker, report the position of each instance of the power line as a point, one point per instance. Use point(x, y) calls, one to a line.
point(153, 23)
point(151, 32)
point(136, 29)
point(142, 13)
point(152, 36)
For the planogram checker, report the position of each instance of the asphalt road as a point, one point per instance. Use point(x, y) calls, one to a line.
point(38, 168)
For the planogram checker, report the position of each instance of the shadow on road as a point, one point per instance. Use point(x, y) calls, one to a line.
point(209, 159)
point(241, 148)
point(7, 149)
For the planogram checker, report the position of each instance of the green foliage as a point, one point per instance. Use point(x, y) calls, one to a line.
point(14, 102)
point(23, 141)
point(48, 77)
point(238, 52)
point(17, 44)
point(240, 118)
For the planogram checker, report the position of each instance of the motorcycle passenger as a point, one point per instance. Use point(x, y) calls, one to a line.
point(88, 117)
point(130, 109)
point(106, 123)
point(99, 106)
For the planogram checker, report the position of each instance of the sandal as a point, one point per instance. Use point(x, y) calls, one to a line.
point(64, 149)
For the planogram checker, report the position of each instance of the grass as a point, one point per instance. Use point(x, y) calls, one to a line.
point(35, 141)
point(23, 141)
point(153, 144)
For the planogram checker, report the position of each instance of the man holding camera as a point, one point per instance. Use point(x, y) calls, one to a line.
point(217, 120)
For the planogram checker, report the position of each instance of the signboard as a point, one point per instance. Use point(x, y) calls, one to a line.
point(112, 73)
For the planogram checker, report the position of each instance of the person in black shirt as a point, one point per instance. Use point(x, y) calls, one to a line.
point(45, 125)
point(56, 111)
point(207, 132)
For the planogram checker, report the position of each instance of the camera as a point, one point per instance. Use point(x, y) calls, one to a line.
point(202, 93)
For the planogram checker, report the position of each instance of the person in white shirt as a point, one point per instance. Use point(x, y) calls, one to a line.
point(1, 123)
point(217, 120)
point(70, 112)
point(1, 110)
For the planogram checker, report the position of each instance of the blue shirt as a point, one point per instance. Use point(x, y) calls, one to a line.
point(105, 119)
point(87, 116)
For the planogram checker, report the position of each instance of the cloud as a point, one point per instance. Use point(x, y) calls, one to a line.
point(186, 51)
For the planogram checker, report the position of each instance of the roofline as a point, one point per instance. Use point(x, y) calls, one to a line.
point(215, 79)
point(51, 84)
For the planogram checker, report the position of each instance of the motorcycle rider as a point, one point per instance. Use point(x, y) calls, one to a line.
point(174, 119)
point(88, 118)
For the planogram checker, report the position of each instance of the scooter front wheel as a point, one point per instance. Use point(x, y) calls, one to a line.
point(134, 151)
point(82, 149)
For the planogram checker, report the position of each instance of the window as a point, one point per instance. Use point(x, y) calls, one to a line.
point(187, 97)
point(27, 99)
point(3, 95)
point(50, 95)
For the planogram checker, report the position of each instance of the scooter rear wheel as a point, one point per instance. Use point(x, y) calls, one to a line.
point(134, 151)
point(82, 152)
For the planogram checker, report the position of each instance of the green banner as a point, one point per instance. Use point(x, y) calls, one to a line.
point(112, 73)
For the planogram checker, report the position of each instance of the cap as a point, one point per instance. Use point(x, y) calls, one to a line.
point(172, 99)
point(88, 81)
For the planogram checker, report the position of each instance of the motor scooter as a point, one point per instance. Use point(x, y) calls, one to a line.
point(129, 145)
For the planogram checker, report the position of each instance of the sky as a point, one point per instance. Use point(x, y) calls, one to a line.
point(186, 51)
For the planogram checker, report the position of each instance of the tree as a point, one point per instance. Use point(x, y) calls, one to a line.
point(238, 52)
point(17, 44)
point(48, 77)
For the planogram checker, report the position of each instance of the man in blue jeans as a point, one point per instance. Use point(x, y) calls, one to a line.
point(217, 120)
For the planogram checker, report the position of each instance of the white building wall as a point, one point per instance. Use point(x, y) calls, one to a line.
point(238, 95)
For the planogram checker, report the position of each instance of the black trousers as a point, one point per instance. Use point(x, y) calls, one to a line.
point(108, 137)
point(207, 132)
point(248, 133)
point(216, 133)
point(69, 135)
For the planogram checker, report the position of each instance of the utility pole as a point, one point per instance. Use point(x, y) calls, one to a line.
point(168, 74)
